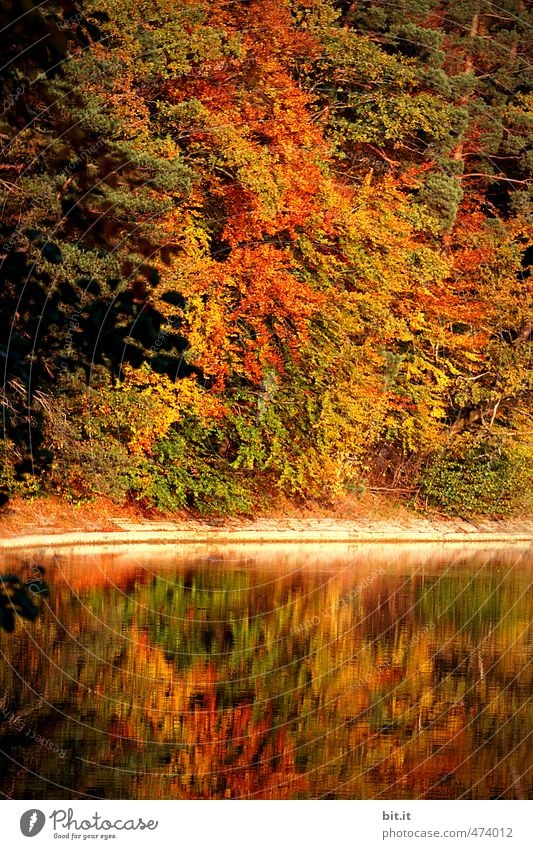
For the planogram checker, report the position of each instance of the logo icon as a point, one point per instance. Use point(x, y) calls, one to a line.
point(32, 822)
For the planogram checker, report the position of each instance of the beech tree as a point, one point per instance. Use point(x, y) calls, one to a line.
point(282, 242)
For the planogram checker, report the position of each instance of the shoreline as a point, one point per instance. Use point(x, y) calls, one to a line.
point(264, 531)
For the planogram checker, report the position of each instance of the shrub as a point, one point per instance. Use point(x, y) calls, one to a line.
point(480, 480)
point(185, 472)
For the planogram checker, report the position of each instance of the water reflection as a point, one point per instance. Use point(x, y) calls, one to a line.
point(296, 672)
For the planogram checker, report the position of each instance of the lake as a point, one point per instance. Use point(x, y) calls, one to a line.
point(272, 672)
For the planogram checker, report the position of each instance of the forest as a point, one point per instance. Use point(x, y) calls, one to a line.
point(267, 249)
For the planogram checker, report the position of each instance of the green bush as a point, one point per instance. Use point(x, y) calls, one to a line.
point(481, 480)
point(12, 482)
point(186, 472)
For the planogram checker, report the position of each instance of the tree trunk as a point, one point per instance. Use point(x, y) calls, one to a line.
point(457, 154)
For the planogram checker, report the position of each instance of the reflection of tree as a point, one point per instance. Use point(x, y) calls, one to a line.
point(17, 596)
point(193, 686)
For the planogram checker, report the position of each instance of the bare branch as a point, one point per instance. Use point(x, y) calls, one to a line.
point(496, 177)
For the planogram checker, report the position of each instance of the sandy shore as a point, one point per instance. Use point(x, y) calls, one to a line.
point(279, 530)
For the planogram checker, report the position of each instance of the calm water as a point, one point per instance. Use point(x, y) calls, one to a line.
point(274, 672)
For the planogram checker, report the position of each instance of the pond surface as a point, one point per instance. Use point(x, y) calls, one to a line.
point(291, 672)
